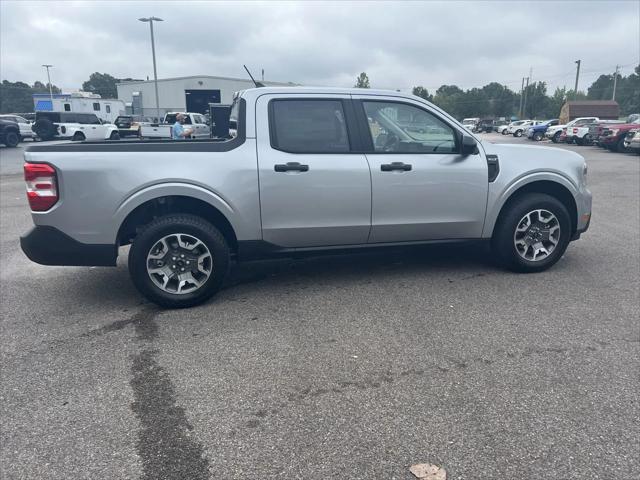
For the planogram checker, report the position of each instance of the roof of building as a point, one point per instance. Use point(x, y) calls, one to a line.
point(266, 82)
point(592, 102)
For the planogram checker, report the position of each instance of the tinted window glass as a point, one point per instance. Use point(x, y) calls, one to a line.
point(309, 126)
point(108, 108)
point(403, 128)
point(67, 107)
point(96, 107)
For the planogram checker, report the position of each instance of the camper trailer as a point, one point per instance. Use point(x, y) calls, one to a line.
point(106, 109)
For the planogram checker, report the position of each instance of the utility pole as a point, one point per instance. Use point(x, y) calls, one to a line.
point(521, 96)
point(263, 74)
point(51, 90)
point(150, 20)
point(524, 102)
point(575, 89)
point(615, 82)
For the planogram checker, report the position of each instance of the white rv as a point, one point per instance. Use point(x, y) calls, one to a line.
point(106, 109)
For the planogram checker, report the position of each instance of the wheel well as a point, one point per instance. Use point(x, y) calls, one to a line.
point(553, 189)
point(145, 213)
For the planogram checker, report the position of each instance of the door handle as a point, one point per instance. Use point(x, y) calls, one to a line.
point(291, 167)
point(389, 167)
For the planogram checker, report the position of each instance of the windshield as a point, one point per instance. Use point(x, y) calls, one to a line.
point(519, 122)
point(468, 122)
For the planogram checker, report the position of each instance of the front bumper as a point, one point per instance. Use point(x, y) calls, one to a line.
point(47, 245)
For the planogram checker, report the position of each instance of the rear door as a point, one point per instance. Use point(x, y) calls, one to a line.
point(422, 187)
point(315, 187)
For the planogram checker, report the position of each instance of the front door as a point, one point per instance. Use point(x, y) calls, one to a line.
point(422, 187)
point(314, 191)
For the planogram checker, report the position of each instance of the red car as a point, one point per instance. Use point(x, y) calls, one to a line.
point(612, 136)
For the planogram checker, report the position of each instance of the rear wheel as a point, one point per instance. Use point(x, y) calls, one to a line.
point(537, 136)
point(532, 234)
point(517, 133)
point(11, 139)
point(78, 137)
point(114, 136)
point(45, 129)
point(179, 261)
point(504, 132)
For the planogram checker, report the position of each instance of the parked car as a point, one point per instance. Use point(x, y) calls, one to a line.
point(596, 129)
point(129, 125)
point(9, 133)
point(300, 176)
point(470, 123)
point(555, 133)
point(613, 137)
point(519, 129)
point(195, 121)
point(536, 132)
point(76, 126)
point(23, 124)
point(504, 130)
point(632, 140)
point(500, 125)
point(485, 125)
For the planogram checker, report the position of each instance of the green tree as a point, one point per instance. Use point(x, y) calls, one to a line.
point(362, 81)
point(103, 84)
point(536, 100)
point(554, 105)
point(501, 99)
point(449, 98)
point(16, 97)
point(602, 88)
point(422, 93)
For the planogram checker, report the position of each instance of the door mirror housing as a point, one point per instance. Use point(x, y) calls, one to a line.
point(469, 145)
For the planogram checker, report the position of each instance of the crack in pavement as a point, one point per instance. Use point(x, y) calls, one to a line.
point(165, 445)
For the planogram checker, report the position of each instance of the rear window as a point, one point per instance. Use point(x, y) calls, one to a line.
point(308, 126)
point(171, 119)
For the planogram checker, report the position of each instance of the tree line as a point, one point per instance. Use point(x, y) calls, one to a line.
point(496, 100)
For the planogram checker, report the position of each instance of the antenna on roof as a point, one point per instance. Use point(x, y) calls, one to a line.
point(257, 84)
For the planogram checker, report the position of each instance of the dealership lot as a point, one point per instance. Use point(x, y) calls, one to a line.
point(345, 367)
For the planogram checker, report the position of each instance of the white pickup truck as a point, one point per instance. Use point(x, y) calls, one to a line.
point(193, 121)
point(554, 133)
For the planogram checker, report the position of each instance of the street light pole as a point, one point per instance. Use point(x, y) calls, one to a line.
point(49, 79)
point(150, 20)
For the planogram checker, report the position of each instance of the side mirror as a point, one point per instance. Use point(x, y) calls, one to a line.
point(469, 146)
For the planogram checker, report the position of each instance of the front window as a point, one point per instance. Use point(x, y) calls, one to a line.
point(402, 128)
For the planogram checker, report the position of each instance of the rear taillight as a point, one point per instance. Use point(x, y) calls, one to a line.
point(42, 186)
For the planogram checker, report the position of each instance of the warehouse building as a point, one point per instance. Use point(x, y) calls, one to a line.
point(191, 94)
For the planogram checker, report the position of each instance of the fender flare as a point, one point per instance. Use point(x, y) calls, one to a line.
point(173, 189)
point(503, 197)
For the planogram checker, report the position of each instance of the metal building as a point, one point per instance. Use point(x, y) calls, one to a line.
point(192, 94)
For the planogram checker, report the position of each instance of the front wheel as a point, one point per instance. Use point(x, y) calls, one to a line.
point(620, 147)
point(537, 136)
point(532, 234)
point(556, 137)
point(179, 260)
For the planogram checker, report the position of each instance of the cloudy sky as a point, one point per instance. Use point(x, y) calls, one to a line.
point(399, 44)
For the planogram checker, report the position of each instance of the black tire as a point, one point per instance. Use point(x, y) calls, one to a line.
point(11, 139)
point(517, 133)
point(556, 137)
point(45, 129)
point(502, 242)
point(114, 136)
point(190, 225)
point(504, 132)
point(537, 136)
point(78, 137)
point(579, 141)
point(620, 148)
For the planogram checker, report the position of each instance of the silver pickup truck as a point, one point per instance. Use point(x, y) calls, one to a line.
point(307, 169)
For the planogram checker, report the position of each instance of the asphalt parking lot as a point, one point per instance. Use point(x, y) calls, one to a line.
point(336, 367)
